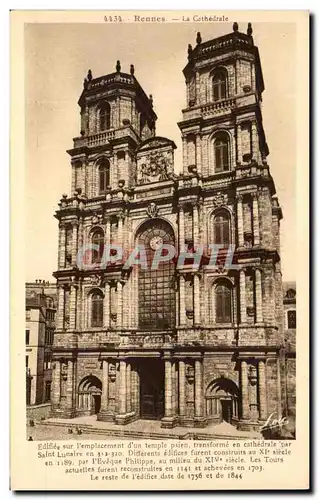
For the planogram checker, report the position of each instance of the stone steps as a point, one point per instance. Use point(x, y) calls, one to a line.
point(131, 433)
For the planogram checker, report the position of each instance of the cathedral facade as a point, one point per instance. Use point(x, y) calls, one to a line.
point(186, 344)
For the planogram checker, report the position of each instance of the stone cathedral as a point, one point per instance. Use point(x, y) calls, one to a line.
point(187, 346)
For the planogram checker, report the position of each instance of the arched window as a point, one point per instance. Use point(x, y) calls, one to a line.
point(221, 150)
point(104, 116)
point(98, 246)
point(156, 292)
point(223, 307)
point(219, 85)
point(97, 309)
point(104, 175)
point(221, 229)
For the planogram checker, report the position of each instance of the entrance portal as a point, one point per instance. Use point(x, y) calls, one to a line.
point(222, 400)
point(89, 395)
point(152, 389)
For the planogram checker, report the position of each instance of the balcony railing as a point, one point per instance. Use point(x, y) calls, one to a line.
point(105, 137)
point(218, 106)
point(101, 138)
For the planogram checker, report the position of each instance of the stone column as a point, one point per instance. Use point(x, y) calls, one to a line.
point(198, 154)
point(56, 384)
point(168, 388)
point(253, 77)
point(69, 385)
point(238, 75)
point(87, 124)
point(239, 145)
point(256, 231)
point(105, 386)
point(242, 296)
point(62, 243)
point(119, 312)
point(185, 159)
point(125, 300)
point(262, 390)
point(195, 226)
point(60, 313)
point(79, 307)
point(122, 388)
point(74, 242)
point(254, 141)
point(89, 310)
point(253, 393)
point(128, 388)
point(73, 307)
point(182, 392)
point(244, 391)
point(198, 388)
point(240, 220)
point(258, 293)
point(181, 228)
point(107, 238)
point(120, 230)
point(196, 292)
point(279, 409)
point(106, 306)
point(182, 312)
point(174, 395)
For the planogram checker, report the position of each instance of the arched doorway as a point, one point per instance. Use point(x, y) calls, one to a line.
point(222, 401)
point(156, 291)
point(89, 395)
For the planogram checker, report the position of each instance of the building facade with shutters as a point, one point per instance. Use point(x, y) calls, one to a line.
point(40, 311)
point(183, 344)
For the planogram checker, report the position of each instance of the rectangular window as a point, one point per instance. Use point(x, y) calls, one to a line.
point(292, 319)
point(47, 360)
point(27, 337)
point(48, 336)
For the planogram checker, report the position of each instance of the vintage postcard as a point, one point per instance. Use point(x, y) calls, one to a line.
point(159, 187)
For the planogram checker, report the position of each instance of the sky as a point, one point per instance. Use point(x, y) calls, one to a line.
point(57, 58)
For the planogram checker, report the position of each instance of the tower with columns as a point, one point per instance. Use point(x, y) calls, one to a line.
point(187, 345)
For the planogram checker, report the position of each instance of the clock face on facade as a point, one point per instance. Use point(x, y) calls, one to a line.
point(156, 242)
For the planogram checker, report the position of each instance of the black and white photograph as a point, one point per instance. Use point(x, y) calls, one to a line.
point(167, 312)
point(161, 176)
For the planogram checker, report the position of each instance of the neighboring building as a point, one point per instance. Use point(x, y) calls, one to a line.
point(187, 347)
point(39, 332)
point(290, 322)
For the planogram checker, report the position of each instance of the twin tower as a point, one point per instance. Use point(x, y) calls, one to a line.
point(186, 346)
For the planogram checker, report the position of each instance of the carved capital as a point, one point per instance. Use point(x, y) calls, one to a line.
point(75, 223)
point(239, 198)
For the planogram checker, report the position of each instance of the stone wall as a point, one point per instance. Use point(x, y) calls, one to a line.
point(38, 412)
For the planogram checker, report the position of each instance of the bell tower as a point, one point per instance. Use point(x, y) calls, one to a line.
point(222, 123)
point(116, 115)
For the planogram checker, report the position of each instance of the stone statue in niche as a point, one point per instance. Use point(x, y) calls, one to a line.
point(155, 167)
